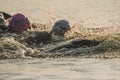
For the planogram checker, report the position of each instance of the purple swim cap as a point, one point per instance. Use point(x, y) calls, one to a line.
point(19, 23)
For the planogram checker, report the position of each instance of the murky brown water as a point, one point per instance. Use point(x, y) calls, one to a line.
point(60, 69)
point(86, 13)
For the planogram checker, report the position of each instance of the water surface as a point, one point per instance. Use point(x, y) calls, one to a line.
point(60, 69)
point(84, 13)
